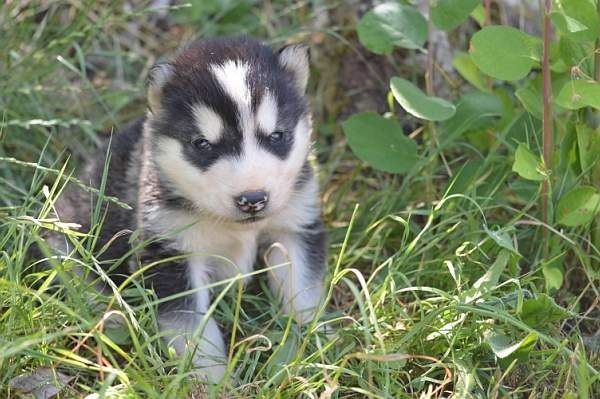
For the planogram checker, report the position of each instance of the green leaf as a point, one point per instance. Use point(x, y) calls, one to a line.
point(118, 333)
point(475, 110)
point(489, 280)
point(465, 381)
point(502, 238)
point(585, 383)
point(579, 94)
point(520, 129)
point(557, 63)
point(468, 70)
point(578, 206)
point(416, 103)
point(503, 347)
point(553, 276)
point(391, 24)
point(284, 353)
point(465, 180)
point(577, 19)
point(528, 165)
point(531, 100)
point(504, 52)
point(588, 144)
point(448, 14)
point(478, 14)
point(572, 52)
point(542, 311)
point(574, 25)
point(380, 142)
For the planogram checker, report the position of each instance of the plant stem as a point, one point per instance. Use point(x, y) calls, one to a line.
point(429, 66)
point(594, 121)
point(548, 144)
point(487, 22)
point(597, 49)
point(430, 189)
point(488, 12)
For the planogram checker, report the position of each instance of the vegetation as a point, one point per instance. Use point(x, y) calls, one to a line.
point(464, 257)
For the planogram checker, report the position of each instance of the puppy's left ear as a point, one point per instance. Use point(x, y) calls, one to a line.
point(159, 75)
point(295, 58)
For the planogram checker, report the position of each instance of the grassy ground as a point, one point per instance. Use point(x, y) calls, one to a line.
point(440, 279)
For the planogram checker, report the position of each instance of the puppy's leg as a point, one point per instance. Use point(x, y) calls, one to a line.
point(299, 285)
point(184, 321)
point(181, 331)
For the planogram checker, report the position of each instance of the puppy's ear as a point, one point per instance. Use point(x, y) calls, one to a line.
point(158, 77)
point(296, 58)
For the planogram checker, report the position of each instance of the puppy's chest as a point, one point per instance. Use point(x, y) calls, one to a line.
point(222, 250)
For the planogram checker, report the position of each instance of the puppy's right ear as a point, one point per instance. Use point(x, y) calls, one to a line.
point(296, 59)
point(158, 77)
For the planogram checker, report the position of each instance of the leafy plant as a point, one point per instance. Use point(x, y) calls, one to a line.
point(506, 54)
point(517, 80)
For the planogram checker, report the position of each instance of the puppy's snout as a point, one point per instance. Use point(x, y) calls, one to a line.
point(252, 201)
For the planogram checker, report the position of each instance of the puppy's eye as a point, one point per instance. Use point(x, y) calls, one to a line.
point(276, 137)
point(202, 144)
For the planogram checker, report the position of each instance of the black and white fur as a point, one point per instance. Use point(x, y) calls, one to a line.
point(226, 116)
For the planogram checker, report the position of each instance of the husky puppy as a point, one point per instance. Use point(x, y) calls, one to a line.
point(216, 170)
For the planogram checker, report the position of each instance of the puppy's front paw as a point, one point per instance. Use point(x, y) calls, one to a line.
point(210, 359)
point(209, 370)
point(206, 347)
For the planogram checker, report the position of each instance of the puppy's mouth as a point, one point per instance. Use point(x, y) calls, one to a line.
point(251, 219)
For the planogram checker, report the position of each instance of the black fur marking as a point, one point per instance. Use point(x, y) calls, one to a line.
point(314, 242)
point(306, 174)
point(227, 146)
point(168, 197)
point(282, 148)
point(167, 278)
point(75, 202)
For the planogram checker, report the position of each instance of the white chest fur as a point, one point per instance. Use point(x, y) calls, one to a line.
point(219, 249)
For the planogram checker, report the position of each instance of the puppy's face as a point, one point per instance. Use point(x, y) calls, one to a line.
point(231, 126)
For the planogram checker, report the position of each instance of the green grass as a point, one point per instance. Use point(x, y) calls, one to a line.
point(422, 283)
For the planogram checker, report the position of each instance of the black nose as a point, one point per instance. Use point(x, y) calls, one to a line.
point(252, 201)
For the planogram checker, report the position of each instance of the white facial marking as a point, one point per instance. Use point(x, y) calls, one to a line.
point(232, 77)
point(266, 115)
point(176, 168)
point(208, 122)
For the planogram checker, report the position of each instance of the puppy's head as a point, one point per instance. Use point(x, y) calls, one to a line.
point(231, 126)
